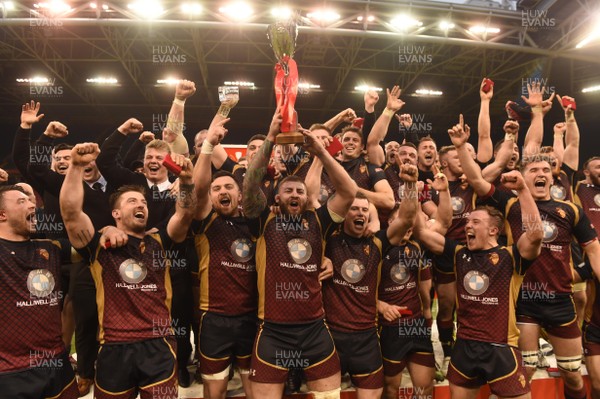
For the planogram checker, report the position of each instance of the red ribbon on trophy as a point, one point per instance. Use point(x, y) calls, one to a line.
point(283, 40)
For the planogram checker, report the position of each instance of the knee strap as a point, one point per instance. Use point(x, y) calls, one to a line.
point(530, 358)
point(217, 376)
point(567, 363)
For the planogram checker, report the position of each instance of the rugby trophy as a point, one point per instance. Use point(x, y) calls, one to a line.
point(282, 36)
point(229, 97)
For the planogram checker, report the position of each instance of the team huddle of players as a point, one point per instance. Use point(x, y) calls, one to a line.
point(316, 258)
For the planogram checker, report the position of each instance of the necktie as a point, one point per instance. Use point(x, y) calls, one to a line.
point(97, 186)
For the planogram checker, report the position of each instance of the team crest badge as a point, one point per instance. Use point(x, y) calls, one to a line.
point(353, 270)
point(44, 254)
point(267, 183)
point(476, 283)
point(561, 213)
point(494, 258)
point(300, 250)
point(142, 247)
point(406, 252)
point(40, 283)
point(367, 250)
point(522, 380)
point(132, 271)
point(242, 250)
point(363, 169)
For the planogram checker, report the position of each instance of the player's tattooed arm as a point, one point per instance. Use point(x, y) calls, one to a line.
point(254, 201)
point(185, 206)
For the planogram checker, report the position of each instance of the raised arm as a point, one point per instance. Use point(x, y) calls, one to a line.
point(21, 145)
point(80, 228)
point(313, 182)
point(379, 131)
point(571, 154)
point(530, 243)
point(345, 187)
point(40, 171)
point(254, 201)
point(485, 148)
point(539, 107)
point(428, 237)
point(382, 195)
point(495, 169)
point(346, 116)
point(175, 121)
point(409, 204)
point(443, 214)
point(203, 170)
point(459, 134)
point(136, 151)
point(558, 144)
point(108, 161)
point(185, 206)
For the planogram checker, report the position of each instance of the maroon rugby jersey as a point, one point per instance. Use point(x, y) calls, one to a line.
point(133, 288)
point(366, 175)
point(587, 196)
point(350, 296)
point(227, 271)
point(562, 189)
point(487, 288)
point(462, 198)
point(289, 254)
point(552, 271)
point(30, 303)
point(404, 267)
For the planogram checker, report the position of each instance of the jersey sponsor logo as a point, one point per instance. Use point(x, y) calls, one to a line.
point(550, 231)
point(132, 271)
point(300, 250)
point(242, 250)
point(458, 205)
point(399, 274)
point(558, 192)
point(476, 282)
point(353, 270)
point(597, 199)
point(40, 282)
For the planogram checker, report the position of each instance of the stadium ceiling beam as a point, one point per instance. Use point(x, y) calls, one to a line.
point(564, 53)
point(197, 40)
point(116, 38)
point(348, 60)
point(37, 45)
point(568, 27)
point(503, 69)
